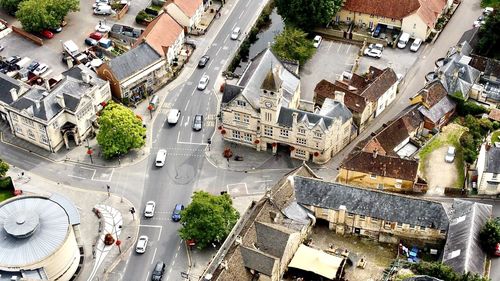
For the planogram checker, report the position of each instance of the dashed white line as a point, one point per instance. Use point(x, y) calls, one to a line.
point(154, 254)
point(217, 53)
point(340, 45)
point(347, 51)
point(77, 177)
point(241, 14)
point(187, 104)
point(147, 277)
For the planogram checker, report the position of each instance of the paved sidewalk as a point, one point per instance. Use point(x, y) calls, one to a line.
point(85, 201)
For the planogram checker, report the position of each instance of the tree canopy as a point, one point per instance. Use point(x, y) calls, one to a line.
point(4, 167)
point(489, 235)
point(120, 130)
point(293, 44)
point(444, 272)
point(489, 37)
point(36, 15)
point(307, 14)
point(10, 6)
point(209, 218)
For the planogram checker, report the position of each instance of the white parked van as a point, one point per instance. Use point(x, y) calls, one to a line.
point(71, 48)
point(403, 40)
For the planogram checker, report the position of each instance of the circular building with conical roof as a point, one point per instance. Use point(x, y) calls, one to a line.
point(37, 238)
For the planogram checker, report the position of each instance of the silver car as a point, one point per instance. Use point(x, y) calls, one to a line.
point(198, 122)
point(203, 82)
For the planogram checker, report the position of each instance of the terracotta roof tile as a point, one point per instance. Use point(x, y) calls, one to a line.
point(395, 9)
point(161, 33)
point(494, 115)
point(325, 89)
point(429, 11)
point(189, 7)
point(386, 166)
point(378, 83)
point(432, 93)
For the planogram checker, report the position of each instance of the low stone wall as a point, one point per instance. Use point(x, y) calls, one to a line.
point(35, 39)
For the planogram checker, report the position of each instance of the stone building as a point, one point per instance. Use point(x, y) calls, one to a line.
point(262, 111)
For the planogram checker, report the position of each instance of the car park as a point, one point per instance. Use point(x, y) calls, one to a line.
point(161, 156)
point(416, 44)
point(173, 116)
point(176, 214)
point(149, 210)
point(450, 154)
point(41, 69)
point(203, 61)
point(90, 42)
point(317, 41)
point(47, 34)
point(202, 85)
point(33, 65)
point(142, 244)
point(236, 33)
point(158, 271)
point(198, 122)
point(95, 35)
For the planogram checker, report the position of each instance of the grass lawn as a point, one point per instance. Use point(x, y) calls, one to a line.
point(4, 195)
point(449, 135)
point(490, 3)
point(5, 192)
point(495, 137)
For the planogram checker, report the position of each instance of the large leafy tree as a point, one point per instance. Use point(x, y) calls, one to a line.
point(307, 14)
point(4, 167)
point(489, 37)
point(293, 44)
point(10, 6)
point(489, 235)
point(120, 130)
point(36, 15)
point(209, 218)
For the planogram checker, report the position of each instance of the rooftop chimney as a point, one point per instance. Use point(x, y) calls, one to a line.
point(339, 96)
point(13, 94)
point(47, 84)
point(86, 77)
point(37, 104)
point(375, 153)
point(60, 100)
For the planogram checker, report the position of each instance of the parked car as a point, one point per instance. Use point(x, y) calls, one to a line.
point(173, 116)
point(416, 44)
point(478, 23)
point(376, 47)
point(236, 33)
point(198, 122)
point(403, 40)
point(497, 250)
point(142, 244)
point(317, 41)
point(450, 154)
point(103, 10)
point(102, 28)
point(377, 30)
point(47, 34)
point(41, 69)
point(90, 42)
point(158, 271)
point(176, 214)
point(149, 210)
point(372, 52)
point(487, 11)
point(202, 85)
point(33, 65)
point(13, 59)
point(95, 35)
point(57, 29)
point(1, 48)
point(161, 156)
point(203, 61)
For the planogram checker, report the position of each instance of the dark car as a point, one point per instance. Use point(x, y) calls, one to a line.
point(13, 59)
point(203, 61)
point(158, 271)
point(33, 65)
point(376, 33)
point(176, 214)
point(198, 122)
point(57, 29)
point(90, 42)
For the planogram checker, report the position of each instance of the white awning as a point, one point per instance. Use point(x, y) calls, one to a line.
point(319, 262)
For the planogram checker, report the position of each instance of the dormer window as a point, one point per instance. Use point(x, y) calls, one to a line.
point(318, 135)
point(241, 103)
point(302, 131)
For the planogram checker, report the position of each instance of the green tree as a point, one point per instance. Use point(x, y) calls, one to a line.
point(308, 14)
point(444, 272)
point(209, 218)
point(36, 15)
point(293, 44)
point(489, 235)
point(4, 167)
point(120, 130)
point(489, 37)
point(10, 6)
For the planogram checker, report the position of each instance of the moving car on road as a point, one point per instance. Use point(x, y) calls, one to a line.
point(157, 274)
point(317, 41)
point(142, 244)
point(149, 211)
point(176, 214)
point(198, 122)
point(203, 82)
point(450, 154)
point(173, 116)
point(203, 61)
point(236, 33)
point(160, 158)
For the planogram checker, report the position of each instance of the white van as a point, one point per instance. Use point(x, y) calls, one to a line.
point(173, 116)
point(161, 156)
point(103, 10)
point(403, 40)
point(71, 48)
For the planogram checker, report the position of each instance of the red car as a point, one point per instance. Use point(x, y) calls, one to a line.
point(47, 34)
point(95, 35)
point(497, 250)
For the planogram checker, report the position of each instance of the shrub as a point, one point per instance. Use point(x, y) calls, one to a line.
point(141, 16)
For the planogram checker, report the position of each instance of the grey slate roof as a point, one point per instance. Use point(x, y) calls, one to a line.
point(258, 261)
point(133, 61)
point(372, 203)
point(37, 102)
point(492, 90)
point(493, 160)
point(271, 238)
point(230, 92)
point(44, 229)
point(438, 110)
point(77, 70)
point(462, 250)
point(6, 84)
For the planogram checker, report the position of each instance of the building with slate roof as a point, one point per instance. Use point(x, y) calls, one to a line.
point(10, 90)
point(488, 170)
point(261, 111)
point(365, 96)
point(50, 118)
point(39, 238)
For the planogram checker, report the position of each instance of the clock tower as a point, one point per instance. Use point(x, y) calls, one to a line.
point(270, 97)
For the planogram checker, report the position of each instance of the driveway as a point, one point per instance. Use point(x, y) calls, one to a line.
point(400, 60)
point(331, 59)
point(439, 173)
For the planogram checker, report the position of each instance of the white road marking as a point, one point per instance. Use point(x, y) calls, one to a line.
point(217, 53)
point(187, 122)
point(154, 254)
point(191, 138)
point(329, 46)
point(347, 51)
point(77, 177)
point(187, 104)
point(150, 225)
point(264, 181)
point(147, 277)
point(210, 63)
point(225, 39)
point(241, 13)
point(159, 234)
point(340, 45)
